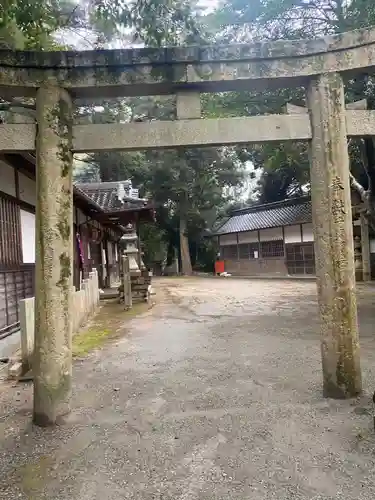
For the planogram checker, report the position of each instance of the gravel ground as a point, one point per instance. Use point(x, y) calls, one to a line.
point(215, 393)
point(10, 345)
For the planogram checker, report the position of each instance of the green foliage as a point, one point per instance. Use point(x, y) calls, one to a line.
point(154, 243)
point(204, 255)
point(187, 184)
point(26, 24)
point(33, 24)
point(193, 186)
point(152, 22)
point(285, 170)
point(285, 167)
point(288, 19)
point(190, 184)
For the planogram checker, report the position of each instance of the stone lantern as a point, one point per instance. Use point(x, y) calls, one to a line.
point(128, 245)
point(140, 278)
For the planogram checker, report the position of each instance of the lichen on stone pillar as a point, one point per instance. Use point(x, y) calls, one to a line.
point(333, 237)
point(54, 256)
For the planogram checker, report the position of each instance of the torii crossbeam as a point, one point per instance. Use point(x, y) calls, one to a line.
point(58, 80)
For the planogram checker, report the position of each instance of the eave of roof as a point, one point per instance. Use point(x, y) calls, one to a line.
point(267, 206)
point(78, 194)
point(114, 218)
point(106, 196)
point(266, 216)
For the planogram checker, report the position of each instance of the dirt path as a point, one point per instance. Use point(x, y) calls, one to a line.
point(215, 393)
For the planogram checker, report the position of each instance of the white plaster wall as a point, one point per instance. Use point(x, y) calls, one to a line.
point(248, 237)
point(274, 233)
point(104, 260)
point(307, 232)
point(27, 189)
point(7, 184)
point(84, 304)
point(228, 239)
point(28, 237)
point(372, 246)
point(292, 234)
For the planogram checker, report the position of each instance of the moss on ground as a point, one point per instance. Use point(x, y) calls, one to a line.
point(109, 323)
point(89, 339)
point(34, 476)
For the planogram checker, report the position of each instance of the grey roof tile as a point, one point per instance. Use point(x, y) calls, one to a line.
point(263, 217)
point(105, 194)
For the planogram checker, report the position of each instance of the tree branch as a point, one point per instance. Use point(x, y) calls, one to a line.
point(88, 160)
point(70, 17)
point(370, 156)
point(7, 106)
point(359, 188)
point(365, 163)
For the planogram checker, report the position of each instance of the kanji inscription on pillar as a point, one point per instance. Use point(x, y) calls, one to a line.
point(338, 205)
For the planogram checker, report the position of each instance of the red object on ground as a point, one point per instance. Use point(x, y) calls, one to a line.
point(219, 266)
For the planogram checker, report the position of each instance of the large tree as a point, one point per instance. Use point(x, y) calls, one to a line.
point(38, 24)
point(297, 19)
point(191, 184)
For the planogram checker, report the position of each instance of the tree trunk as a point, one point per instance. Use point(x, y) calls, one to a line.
point(184, 249)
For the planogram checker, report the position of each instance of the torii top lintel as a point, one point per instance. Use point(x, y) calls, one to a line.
point(160, 71)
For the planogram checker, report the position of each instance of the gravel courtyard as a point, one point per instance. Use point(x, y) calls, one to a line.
point(213, 394)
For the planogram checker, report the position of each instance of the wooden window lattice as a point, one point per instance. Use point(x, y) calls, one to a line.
point(249, 250)
point(272, 249)
point(10, 233)
point(228, 252)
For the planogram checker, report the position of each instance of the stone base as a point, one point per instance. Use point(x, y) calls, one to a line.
point(358, 275)
point(140, 286)
point(15, 369)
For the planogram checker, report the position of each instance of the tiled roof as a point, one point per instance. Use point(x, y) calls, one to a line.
point(106, 195)
point(267, 216)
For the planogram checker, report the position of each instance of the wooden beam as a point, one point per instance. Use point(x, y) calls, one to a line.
point(192, 132)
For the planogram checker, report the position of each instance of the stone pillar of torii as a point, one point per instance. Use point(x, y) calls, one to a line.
point(187, 73)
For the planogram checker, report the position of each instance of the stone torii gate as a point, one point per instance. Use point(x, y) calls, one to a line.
point(58, 79)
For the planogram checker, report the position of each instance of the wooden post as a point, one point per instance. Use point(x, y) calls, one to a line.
point(365, 244)
point(122, 275)
point(52, 364)
point(128, 300)
point(333, 238)
point(107, 264)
